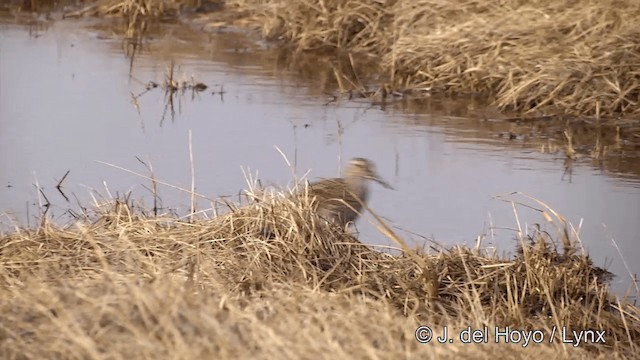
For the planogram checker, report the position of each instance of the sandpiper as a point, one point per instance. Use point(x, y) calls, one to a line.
point(340, 200)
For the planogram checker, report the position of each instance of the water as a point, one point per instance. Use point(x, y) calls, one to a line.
point(66, 104)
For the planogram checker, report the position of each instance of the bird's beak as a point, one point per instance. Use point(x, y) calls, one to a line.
point(379, 180)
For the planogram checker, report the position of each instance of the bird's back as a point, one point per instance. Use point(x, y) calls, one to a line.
point(337, 201)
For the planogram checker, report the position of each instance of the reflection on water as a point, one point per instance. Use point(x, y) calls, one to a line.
point(70, 100)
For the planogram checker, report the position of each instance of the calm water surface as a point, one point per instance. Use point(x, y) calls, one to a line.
point(66, 95)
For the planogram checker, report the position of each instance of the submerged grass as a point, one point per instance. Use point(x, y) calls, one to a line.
point(268, 279)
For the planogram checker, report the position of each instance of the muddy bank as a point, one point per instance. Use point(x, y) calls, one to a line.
point(546, 58)
point(553, 70)
point(549, 57)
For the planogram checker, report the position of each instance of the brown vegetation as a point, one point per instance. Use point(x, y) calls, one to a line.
point(268, 279)
point(559, 57)
point(542, 57)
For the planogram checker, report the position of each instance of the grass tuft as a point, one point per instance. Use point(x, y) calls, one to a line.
point(267, 277)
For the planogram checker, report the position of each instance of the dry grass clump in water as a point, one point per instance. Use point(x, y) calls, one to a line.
point(134, 9)
point(136, 14)
point(578, 57)
point(268, 278)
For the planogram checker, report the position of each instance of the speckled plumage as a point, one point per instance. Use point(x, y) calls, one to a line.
point(337, 198)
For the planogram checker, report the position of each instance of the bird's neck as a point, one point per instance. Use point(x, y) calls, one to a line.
point(358, 185)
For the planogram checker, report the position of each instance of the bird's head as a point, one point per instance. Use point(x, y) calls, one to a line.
point(364, 168)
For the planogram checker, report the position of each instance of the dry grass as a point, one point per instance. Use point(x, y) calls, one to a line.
point(578, 57)
point(134, 9)
point(546, 56)
point(560, 58)
point(268, 280)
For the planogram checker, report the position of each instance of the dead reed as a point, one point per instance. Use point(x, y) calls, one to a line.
point(268, 279)
point(543, 57)
point(134, 9)
point(576, 58)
